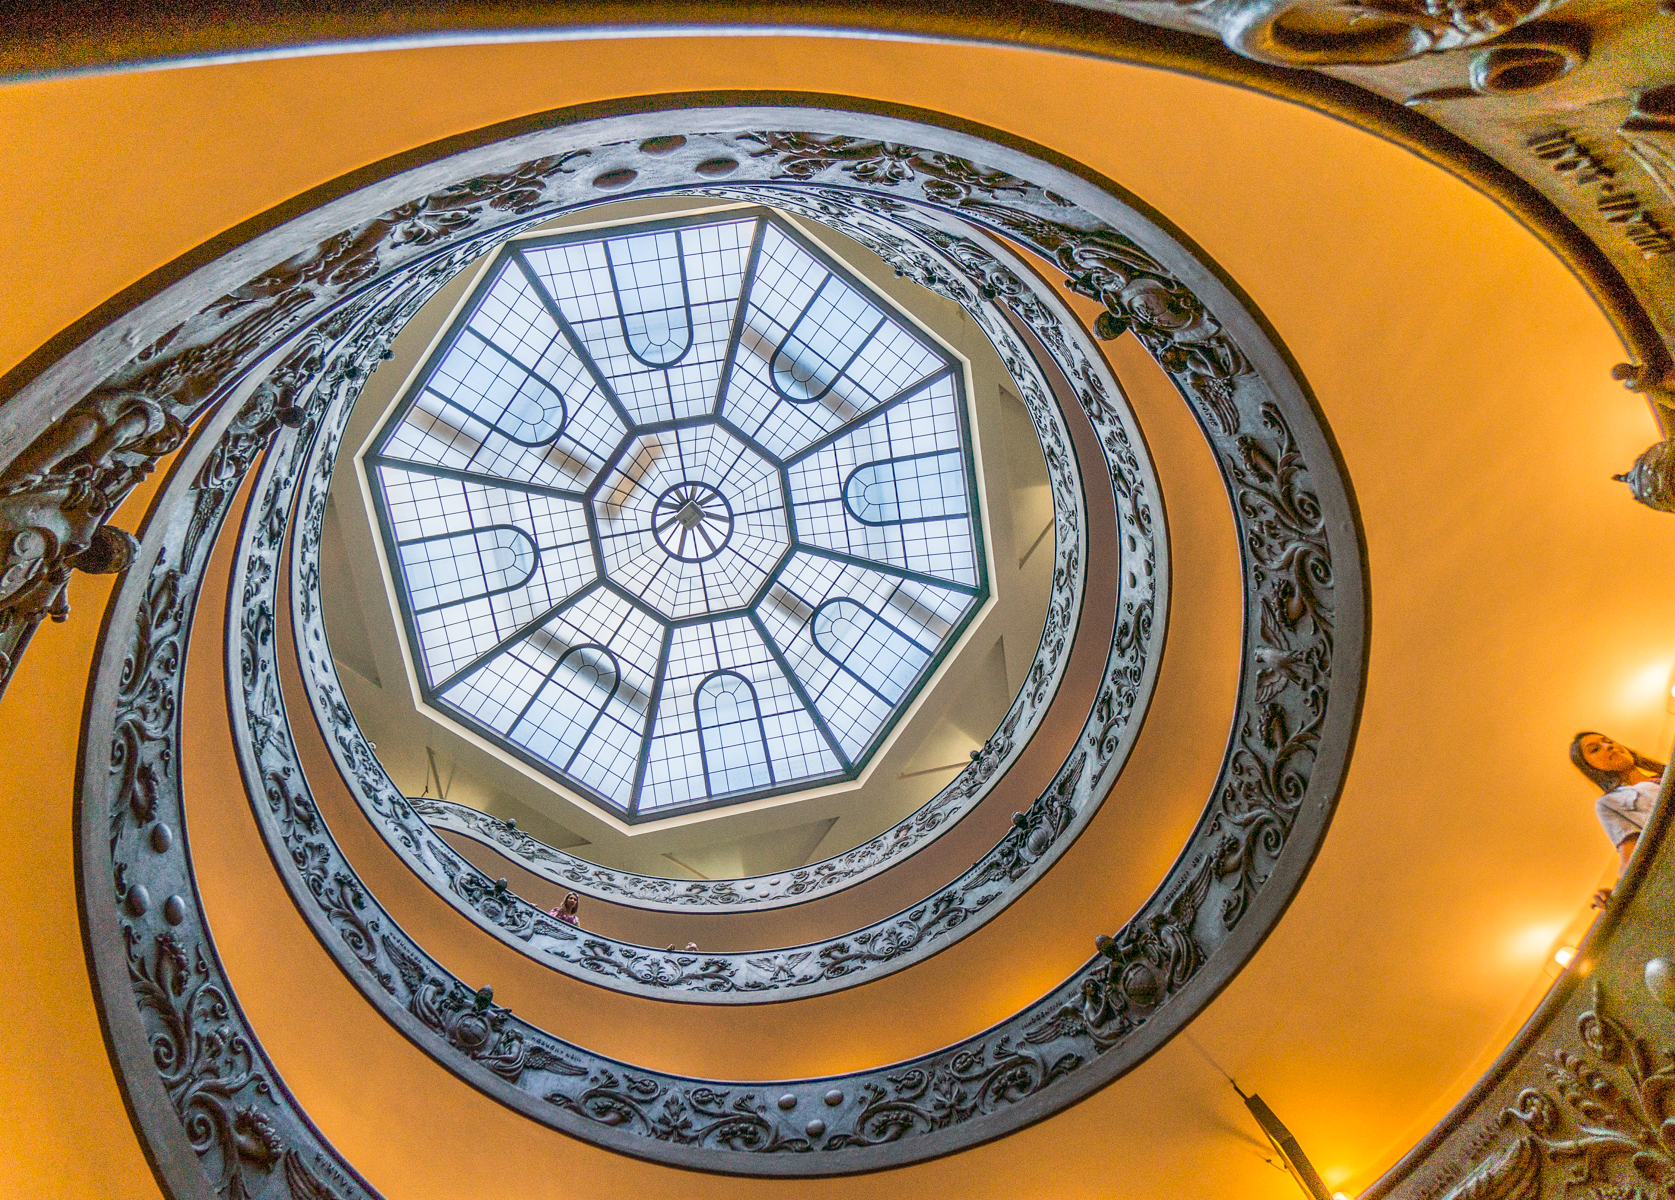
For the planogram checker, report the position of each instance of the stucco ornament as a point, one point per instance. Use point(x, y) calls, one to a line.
point(1314, 33)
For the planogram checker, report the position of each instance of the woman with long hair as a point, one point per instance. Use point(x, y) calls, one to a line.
point(1629, 782)
point(568, 912)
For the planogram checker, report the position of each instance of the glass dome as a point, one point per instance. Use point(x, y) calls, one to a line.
point(681, 513)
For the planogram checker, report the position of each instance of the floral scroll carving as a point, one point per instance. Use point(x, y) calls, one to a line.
point(54, 498)
point(233, 1115)
point(1598, 1127)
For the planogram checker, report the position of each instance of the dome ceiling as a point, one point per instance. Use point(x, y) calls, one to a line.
point(681, 513)
point(1369, 999)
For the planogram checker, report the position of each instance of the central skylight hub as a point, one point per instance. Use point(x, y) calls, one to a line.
point(691, 520)
point(680, 513)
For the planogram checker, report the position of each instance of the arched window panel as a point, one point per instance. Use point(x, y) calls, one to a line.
point(511, 316)
point(528, 693)
point(896, 490)
point(592, 425)
point(782, 343)
point(795, 747)
point(459, 606)
point(908, 490)
point(578, 274)
point(732, 740)
point(855, 699)
point(824, 341)
point(433, 432)
point(568, 705)
point(483, 380)
point(648, 275)
point(446, 569)
point(584, 723)
point(487, 404)
point(875, 652)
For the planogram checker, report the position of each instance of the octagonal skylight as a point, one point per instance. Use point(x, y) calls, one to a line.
point(680, 513)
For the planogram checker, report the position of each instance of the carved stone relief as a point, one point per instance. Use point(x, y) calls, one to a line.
point(1314, 33)
point(180, 1020)
point(54, 498)
point(1304, 635)
point(1649, 133)
point(1539, 87)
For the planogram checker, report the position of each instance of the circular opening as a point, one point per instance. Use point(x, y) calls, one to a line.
point(692, 521)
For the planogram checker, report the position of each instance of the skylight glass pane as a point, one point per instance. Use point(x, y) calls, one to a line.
point(478, 561)
point(649, 275)
point(675, 771)
point(805, 324)
point(583, 279)
point(450, 568)
point(574, 692)
point(895, 490)
point(852, 707)
point(731, 735)
point(680, 513)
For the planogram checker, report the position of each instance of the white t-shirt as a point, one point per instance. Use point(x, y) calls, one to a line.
point(1623, 811)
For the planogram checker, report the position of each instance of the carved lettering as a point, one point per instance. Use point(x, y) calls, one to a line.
point(1568, 157)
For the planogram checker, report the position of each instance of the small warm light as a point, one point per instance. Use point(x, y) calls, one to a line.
point(1535, 942)
point(1564, 954)
point(1339, 1196)
point(1650, 680)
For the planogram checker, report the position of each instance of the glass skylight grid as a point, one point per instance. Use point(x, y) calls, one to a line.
point(680, 513)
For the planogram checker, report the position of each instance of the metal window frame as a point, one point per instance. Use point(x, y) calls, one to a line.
point(686, 303)
point(791, 333)
point(843, 490)
point(563, 405)
point(599, 709)
point(471, 532)
point(514, 254)
point(761, 729)
point(842, 664)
